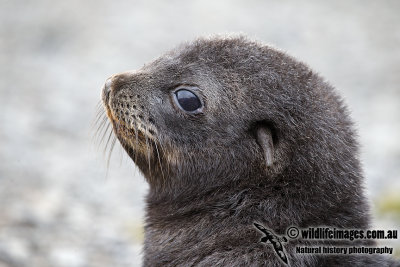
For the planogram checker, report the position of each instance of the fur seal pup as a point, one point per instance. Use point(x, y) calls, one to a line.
point(230, 133)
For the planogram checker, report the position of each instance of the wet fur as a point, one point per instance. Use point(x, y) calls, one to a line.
point(208, 178)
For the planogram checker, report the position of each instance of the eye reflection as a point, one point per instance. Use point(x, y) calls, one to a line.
point(187, 100)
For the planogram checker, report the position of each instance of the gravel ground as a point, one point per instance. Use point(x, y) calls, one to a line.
point(59, 203)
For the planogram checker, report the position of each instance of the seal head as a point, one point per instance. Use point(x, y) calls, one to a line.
point(215, 111)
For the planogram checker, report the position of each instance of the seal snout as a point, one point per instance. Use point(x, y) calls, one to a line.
point(107, 86)
point(112, 84)
point(107, 89)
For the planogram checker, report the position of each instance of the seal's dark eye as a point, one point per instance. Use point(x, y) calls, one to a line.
point(187, 100)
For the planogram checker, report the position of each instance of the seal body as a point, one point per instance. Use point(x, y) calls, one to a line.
point(229, 132)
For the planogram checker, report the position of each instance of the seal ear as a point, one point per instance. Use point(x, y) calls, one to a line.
point(264, 139)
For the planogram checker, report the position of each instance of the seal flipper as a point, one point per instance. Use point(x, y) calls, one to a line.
point(264, 139)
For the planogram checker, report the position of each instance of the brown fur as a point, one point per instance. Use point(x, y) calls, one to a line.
point(208, 177)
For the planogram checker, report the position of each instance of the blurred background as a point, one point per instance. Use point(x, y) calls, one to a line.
point(60, 205)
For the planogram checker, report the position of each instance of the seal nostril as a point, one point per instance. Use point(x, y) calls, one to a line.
point(107, 87)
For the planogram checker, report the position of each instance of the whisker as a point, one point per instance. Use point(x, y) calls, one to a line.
point(99, 104)
point(159, 161)
point(99, 113)
point(136, 139)
point(127, 132)
point(97, 120)
point(108, 141)
point(163, 152)
point(148, 153)
point(111, 150)
point(101, 126)
point(105, 133)
point(121, 156)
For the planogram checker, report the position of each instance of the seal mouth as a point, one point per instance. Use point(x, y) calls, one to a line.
point(131, 128)
point(132, 131)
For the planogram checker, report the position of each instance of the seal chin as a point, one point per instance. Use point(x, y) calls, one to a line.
point(133, 141)
point(132, 136)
